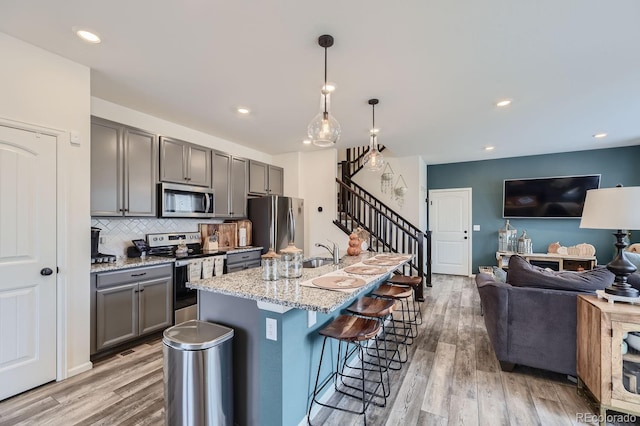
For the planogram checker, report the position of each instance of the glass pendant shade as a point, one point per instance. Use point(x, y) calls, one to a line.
point(324, 130)
point(373, 160)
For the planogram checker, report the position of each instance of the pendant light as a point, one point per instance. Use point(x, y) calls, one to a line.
point(324, 129)
point(373, 160)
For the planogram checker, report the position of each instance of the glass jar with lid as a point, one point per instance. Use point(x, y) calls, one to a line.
point(291, 261)
point(524, 244)
point(270, 265)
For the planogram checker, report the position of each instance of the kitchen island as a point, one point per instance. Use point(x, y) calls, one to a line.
point(276, 343)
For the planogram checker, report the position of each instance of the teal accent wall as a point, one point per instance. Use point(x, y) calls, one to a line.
point(615, 165)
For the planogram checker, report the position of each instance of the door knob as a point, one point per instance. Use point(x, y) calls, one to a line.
point(46, 271)
point(465, 238)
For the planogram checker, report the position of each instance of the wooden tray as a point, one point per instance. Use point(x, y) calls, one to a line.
point(338, 282)
point(365, 270)
point(380, 262)
point(227, 233)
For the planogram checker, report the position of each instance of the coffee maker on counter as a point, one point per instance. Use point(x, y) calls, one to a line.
point(96, 256)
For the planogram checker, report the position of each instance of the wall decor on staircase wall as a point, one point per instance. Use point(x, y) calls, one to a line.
point(399, 190)
point(386, 179)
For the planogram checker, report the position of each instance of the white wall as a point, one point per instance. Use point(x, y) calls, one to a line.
point(47, 90)
point(317, 180)
point(124, 115)
point(291, 163)
point(413, 171)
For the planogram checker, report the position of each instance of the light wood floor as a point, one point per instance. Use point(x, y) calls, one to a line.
point(452, 378)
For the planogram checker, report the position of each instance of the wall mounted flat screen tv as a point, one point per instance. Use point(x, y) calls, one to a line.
point(553, 197)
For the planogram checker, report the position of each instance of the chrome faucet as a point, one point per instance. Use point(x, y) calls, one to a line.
point(335, 251)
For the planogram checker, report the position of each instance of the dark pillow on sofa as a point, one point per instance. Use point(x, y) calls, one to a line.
point(523, 274)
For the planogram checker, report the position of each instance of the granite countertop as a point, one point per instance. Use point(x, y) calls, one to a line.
point(135, 262)
point(248, 284)
point(130, 262)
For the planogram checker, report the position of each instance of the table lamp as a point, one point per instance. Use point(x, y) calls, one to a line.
point(615, 208)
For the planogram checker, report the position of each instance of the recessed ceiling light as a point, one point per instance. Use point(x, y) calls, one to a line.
point(306, 142)
point(503, 103)
point(243, 110)
point(87, 35)
point(489, 148)
point(600, 135)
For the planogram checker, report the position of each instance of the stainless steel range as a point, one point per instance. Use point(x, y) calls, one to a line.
point(187, 258)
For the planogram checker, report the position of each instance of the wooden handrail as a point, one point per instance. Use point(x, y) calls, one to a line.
point(387, 229)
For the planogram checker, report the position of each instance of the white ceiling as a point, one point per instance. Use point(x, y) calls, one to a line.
point(572, 68)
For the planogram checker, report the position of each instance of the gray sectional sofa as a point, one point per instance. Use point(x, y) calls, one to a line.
point(531, 318)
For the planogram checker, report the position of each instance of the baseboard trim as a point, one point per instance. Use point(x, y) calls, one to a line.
point(79, 369)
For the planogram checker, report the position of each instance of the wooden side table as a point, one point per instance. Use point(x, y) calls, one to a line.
point(611, 376)
point(559, 262)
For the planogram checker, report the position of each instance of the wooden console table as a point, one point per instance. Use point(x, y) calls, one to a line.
point(608, 367)
point(556, 262)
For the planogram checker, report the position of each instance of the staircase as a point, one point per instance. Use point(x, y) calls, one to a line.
point(388, 230)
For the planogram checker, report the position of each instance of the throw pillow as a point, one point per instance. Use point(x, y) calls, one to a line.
point(499, 274)
point(633, 258)
point(523, 274)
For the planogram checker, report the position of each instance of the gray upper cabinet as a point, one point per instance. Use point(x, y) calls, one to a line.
point(123, 170)
point(229, 185)
point(276, 180)
point(265, 179)
point(183, 162)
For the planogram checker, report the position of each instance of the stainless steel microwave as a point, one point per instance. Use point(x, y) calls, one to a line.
point(178, 200)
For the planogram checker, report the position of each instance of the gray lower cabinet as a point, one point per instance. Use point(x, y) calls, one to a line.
point(265, 179)
point(229, 185)
point(129, 304)
point(244, 260)
point(184, 162)
point(123, 170)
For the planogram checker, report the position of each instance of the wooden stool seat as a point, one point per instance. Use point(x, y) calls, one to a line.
point(405, 280)
point(351, 329)
point(395, 292)
point(372, 307)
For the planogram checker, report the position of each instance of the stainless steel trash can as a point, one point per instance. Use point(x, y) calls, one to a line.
point(198, 386)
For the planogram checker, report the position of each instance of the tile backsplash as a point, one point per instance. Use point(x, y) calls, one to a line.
point(117, 233)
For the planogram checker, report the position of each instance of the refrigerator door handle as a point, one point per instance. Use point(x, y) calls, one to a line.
point(292, 225)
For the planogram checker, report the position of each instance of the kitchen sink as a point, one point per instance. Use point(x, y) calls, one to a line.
point(315, 262)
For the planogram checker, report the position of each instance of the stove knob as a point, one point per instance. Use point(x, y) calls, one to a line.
point(155, 238)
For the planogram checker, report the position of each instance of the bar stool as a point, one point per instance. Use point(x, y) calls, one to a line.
point(413, 282)
point(350, 329)
point(381, 309)
point(400, 294)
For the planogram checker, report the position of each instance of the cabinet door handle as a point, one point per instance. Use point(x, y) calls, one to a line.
point(139, 275)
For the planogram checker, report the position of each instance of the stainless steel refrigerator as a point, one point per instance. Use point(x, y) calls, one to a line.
point(276, 220)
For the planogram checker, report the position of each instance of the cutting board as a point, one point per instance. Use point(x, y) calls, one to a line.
point(227, 233)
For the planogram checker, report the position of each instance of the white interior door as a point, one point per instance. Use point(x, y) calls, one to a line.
point(450, 226)
point(27, 247)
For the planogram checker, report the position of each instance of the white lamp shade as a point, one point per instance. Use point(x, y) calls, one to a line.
point(612, 208)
